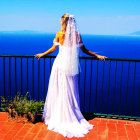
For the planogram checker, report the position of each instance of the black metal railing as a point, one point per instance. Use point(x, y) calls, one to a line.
point(110, 87)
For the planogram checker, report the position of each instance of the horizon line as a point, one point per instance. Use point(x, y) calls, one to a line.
point(32, 31)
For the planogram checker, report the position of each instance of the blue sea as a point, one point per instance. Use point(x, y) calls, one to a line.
point(108, 45)
point(125, 89)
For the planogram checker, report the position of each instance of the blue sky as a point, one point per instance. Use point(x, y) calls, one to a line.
point(103, 17)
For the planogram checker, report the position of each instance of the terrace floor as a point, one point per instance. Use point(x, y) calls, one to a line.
point(104, 129)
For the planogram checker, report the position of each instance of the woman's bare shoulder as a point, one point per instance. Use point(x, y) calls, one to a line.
point(59, 32)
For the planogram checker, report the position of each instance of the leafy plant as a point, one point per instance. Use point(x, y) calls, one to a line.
point(22, 105)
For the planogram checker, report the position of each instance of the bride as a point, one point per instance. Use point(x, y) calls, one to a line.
point(62, 106)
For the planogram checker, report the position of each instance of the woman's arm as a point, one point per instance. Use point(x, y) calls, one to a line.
point(51, 50)
point(86, 51)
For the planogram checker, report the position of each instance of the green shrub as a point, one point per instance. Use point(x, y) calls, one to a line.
point(21, 104)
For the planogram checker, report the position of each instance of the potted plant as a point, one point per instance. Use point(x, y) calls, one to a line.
point(21, 108)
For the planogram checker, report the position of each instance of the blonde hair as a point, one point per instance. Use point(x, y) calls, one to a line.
point(64, 19)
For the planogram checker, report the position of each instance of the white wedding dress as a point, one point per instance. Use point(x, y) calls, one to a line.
point(62, 106)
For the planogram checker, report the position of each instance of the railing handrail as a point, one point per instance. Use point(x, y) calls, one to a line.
point(81, 57)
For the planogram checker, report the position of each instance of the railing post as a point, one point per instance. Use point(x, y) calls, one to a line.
point(127, 86)
point(90, 87)
point(50, 65)
point(114, 87)
point(108, 87)
point(33, 76)
point(84, 84)
point(21, 76)
point(102, 87)
point(133, 88)
point(27, 74)
point(44, 78)
point(10, 76)
point(15, 78)
point(96, 86)
point(4, 76)
point(38, 76)
point(120, 89)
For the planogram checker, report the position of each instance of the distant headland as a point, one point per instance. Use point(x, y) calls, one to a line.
point(137, 33)
point(23, 32)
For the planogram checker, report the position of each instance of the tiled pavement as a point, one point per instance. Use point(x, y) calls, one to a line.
point(104, 129)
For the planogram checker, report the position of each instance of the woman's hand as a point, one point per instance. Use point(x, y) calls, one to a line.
point(38, 55)
point(101, 57)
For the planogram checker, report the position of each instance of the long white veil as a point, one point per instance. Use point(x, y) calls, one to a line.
point(71, 65)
